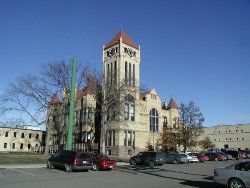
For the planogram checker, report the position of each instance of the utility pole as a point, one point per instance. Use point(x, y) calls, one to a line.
point(72, 104)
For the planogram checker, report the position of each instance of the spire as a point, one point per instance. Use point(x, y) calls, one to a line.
point(55, 99)
point(172, 104)
point(125, 39)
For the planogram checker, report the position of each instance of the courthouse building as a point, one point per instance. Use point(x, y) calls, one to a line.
point(143, 114)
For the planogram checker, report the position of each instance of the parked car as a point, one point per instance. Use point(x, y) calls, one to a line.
point(102, 162)
point(235, 154)
point(150, 158)
point(247, 153)
point(200, 157)
point(70, 160)
point(235, 175)
point(213, 156)
point(175, 158)
point(190, 159)
point(228, 156)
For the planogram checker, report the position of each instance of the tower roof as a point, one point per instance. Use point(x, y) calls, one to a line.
point(125, 39)
point(172, 104)
point(55, 100)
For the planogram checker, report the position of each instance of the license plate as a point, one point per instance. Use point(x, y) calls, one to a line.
point(110, 166)
point(84, 162)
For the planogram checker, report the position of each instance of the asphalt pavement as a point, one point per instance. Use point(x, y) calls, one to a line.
point(9, 166)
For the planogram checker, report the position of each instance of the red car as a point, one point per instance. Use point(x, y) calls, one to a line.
point(103, 162)
point(215, 156)
point(200, 157)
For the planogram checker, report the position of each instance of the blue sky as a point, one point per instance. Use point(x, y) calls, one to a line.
point(190, 49)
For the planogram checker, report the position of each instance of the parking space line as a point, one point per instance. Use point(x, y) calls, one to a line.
point(22, 172)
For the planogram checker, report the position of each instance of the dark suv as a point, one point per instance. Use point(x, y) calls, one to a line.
point(235, 154)
point(70, 160)
point(150, 158)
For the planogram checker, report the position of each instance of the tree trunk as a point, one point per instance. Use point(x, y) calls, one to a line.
point(46, 151)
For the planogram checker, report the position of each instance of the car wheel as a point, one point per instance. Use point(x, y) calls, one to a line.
point(132, 162)
point(95, 167)
point(50, 165)
point(151, 164)
point(68, 168)
point(216, 159)
point(175, 161)
point(236, 183)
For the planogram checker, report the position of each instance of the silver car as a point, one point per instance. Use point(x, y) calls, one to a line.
point(234, 176)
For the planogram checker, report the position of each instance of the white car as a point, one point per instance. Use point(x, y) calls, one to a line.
point(191, 159)
point(235, 175)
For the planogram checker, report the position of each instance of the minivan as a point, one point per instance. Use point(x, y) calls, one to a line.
point(70, 160)
point(150, 158)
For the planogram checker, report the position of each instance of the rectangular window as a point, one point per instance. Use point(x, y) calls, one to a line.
point(129, 138)
point(132, 112)
point(77, 117)
point(6, 133)
point(5, 145)
point(22, 135)
point(133, 139)
point(133, 75)
point(109, 138)
point(13, 145)
point(21, 146)
point(29, 146)
point(113, 138)
point(115, 72)
point(30, 135)
point(14, 134)
point(89, 115)
point(126, 112)
point(111, 73)
point(126, 73)
point(37, 136)
point(125, 138)
point(129, 74)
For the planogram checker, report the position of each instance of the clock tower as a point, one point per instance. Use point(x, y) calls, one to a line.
point(121, 70)
point(121, 61)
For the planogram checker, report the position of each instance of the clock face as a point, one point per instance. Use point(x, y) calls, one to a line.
point(111, 52)
point(130, 52)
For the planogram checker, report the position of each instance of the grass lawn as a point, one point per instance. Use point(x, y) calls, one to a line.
point(22, 158)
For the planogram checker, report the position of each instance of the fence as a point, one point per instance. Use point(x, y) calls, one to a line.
point(88, 147)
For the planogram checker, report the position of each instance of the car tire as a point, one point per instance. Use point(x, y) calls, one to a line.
point(68, 168)
point(50, 165)
point(95, 167)
point(236, 183)
point(216, 159)
point(132, 162)
point(151, 164)
point(175, 161)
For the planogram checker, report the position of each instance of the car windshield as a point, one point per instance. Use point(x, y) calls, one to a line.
point(102, 157)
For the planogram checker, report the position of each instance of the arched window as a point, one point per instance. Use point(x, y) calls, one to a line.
point(165, 121)
point(129, 108)
point(153, 120)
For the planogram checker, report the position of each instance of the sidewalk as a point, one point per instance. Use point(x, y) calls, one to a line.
point(9, 166)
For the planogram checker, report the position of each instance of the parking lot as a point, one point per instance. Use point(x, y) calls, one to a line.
point(168, 175)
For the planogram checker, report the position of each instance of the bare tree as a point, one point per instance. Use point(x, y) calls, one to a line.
point(12, 122)
point(190, 122)
point(32, 94)
point(111, 98)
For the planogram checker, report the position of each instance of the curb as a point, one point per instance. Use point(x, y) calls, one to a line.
point(11, 166)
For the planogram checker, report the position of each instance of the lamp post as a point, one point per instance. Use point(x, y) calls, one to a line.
point(71, 108)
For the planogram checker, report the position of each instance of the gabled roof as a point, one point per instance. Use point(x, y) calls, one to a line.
point(55, 99)
point(85, 91)
point(172, 104)
point(125, 39)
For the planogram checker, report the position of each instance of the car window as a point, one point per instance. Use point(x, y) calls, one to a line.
point(139, 154)
point(56, 155)
point(84, 156)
